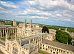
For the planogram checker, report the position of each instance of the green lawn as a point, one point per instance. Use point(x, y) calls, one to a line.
point(42, 52)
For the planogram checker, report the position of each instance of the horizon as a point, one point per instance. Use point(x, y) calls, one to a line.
point(40, 23)
point(50, 12)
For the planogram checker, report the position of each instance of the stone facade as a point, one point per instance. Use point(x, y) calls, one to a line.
point(51, 35)
point(56, 48)
point(7, 29)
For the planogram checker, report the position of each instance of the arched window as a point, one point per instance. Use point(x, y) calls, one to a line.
point(23, 52)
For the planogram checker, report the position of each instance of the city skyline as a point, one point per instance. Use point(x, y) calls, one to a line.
point(51, 12)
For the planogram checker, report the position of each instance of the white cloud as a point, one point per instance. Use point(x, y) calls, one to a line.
point(59, 15)
point(67, 15)
point(8, 4)
point(40, 13)
point(34, 11)
point(5, 11)
point(53, 3)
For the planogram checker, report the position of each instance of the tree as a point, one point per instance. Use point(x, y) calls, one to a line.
point(63, 37)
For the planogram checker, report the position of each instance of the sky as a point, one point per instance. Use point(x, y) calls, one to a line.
point(50, 12)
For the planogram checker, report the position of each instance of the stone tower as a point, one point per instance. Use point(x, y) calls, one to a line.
point(25, 23)
point(65, 29)
point(14, 23)
point(31, 23)
point(59, 29)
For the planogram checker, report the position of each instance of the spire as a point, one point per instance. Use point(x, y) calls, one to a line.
point(14, 23)
point(25, 23)
point(59, 29)
point(31, 23)
point(65, 29)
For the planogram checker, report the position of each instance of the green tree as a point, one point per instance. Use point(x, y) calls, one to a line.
point(63, 37)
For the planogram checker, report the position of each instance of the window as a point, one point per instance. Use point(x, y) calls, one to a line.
point(48, 46)
point(53, 52)
point(67, 52)
point(23, 52)
point(57, 49)
point(43, 45)
point(56, 52)
point(40, 47)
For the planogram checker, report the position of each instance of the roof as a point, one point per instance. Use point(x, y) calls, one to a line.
point(59, 45)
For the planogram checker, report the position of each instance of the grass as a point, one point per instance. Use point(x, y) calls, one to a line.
point(42, 52)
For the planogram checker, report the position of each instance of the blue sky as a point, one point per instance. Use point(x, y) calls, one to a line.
point(51, 12)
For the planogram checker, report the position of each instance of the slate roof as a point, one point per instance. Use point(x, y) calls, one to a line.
point(59, 45)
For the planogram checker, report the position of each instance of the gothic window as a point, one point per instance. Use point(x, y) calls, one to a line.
point(48, 46)
point(46, 49)
point(40, 47)
point(36, 41)
point(57, 53)
point(43, 45)
point(57, 49)
point(31, 40)
point(53, 52)
point(67, 52)
point(23, 52)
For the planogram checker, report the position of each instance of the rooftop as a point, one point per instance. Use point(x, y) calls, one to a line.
point(59, 45)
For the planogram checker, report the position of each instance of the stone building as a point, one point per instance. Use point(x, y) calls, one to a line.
point(14, 23)
point(56, 48)
point(28, 40)
point(51, 35)
point(7, 29)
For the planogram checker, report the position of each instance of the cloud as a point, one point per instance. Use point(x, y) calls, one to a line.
point(41, 9)
point(54, 3)
point(8, 4)
point(34, 12)
point(2, 10)
point(59, 15)
point(39, 17)
point(67, 15)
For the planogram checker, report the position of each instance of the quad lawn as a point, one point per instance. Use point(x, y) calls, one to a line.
point(42, 52)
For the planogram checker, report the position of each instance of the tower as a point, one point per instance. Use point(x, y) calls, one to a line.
point(31, 23)
point(65, 29)
point(25, 23)
point(14, 23)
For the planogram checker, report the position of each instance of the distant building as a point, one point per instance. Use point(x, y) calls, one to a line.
point(14, 23)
